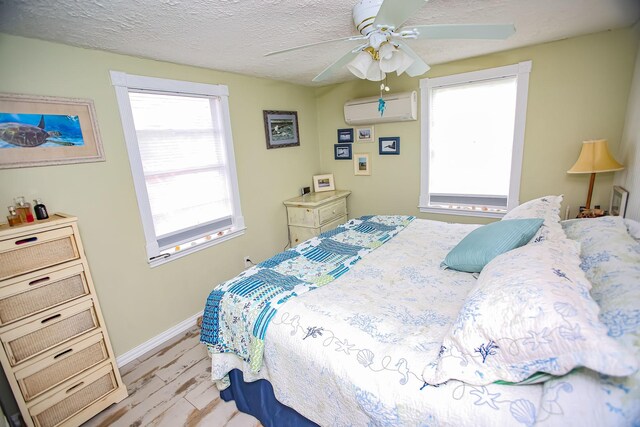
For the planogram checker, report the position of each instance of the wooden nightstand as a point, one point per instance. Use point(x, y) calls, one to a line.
point(315, 213)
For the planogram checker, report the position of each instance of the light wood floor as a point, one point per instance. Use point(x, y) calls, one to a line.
point(171, 386)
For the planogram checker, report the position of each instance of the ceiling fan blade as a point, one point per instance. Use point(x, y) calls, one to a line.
point(394, 12)
point(464, 31)
point(419, 67)
point(315, 44)
point(344, 60)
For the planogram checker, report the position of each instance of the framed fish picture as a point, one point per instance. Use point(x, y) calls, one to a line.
point(42, 130)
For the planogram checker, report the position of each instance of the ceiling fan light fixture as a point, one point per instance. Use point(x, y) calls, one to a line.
point(404, 61)
point(360, 65)
point(386, 51)
point(393, 63)
point(374, 73)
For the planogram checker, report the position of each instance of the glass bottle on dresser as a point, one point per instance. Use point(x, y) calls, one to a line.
point(40, 210)
point(13, 219)
point(24, 209)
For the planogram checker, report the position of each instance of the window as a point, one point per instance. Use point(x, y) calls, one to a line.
point(178, 136)
point(472, 141)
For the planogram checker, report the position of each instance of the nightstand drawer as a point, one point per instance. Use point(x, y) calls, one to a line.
point(32, 252)
point(74, 397)
point(41, 291)
point(332, 211)
point(333, 224)
point(49, 329)
point(63, 363)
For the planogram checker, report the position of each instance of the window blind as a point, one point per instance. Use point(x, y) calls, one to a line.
point(471, 132)
point(183, 157)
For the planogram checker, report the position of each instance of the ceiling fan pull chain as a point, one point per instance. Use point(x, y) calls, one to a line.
point(381, 105)
point(381, 102)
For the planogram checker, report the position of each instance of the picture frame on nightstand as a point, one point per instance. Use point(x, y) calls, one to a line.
point(323, 183)
point(618, 205)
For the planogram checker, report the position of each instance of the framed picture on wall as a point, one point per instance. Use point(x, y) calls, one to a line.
point(47, 130)
point(281, 128)
point(342, 151)
point(618, 206)
point(361, 164)
point(389, 145)
point(364, 134)
point(345, 135)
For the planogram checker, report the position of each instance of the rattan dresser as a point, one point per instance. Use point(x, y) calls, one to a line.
point(55, 349)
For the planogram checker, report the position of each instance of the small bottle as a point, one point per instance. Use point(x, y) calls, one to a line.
point(13, 218)
point(40, 209)
point(24, 209)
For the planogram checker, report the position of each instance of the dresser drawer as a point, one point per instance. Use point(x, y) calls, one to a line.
point(333, 224)
point(61, 364)
point(41, 291)
point(332, 211)
point(35, 251)
point(300, 234)
point(69, 400)
point(47, 330)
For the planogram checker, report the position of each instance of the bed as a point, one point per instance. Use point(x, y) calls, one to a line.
point(546, 334)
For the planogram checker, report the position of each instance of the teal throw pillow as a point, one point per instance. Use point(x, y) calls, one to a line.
point(487, 242)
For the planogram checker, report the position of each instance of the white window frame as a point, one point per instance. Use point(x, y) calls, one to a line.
point(521, 71)
point(124, 82)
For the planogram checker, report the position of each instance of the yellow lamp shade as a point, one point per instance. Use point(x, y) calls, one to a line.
point(594, 158)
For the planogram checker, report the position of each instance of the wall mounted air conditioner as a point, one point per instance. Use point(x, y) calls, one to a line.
point(399, 107)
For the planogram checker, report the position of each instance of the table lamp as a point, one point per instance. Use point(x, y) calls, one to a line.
point(594, 158)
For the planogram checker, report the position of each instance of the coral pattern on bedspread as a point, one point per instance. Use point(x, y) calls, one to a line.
point(238, 311)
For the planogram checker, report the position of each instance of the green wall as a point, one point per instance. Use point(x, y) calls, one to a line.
point(139, 302)
point(578, 90)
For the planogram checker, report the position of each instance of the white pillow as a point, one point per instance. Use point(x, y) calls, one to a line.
point(530, 312)
point(633, 227)
point(547, 208)
point(611, 261)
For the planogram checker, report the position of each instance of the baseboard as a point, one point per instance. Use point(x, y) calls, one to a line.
point(154, 342)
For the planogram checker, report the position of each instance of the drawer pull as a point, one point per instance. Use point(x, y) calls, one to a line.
point(40, 280)
point(74, 386)
point(62, 353)
point(55, 316)
point(27, 240)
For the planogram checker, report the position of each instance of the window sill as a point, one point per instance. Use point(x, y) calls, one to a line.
point(228, 236)
point(461, 212)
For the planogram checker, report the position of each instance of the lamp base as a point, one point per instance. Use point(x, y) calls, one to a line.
point(591, 213)
point(591, 181)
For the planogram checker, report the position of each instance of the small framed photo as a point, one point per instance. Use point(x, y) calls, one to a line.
point(364, 134)
point(323, 183)
point(619, 198)
point(345, 135)
point(281, 128)
point(342, 151)
point(361, 164)
point(389, 145)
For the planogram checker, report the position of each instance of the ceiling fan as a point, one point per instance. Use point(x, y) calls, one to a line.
point(385, 49)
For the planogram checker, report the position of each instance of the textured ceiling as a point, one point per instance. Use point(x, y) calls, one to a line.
point(233, 35)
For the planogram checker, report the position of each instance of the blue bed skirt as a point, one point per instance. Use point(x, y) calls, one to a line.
point(257, 399)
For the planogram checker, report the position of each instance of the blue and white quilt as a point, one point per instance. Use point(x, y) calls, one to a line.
point(239, 311)
point(362, 341)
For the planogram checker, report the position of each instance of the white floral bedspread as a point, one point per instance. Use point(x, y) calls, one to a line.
point(352, 352)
